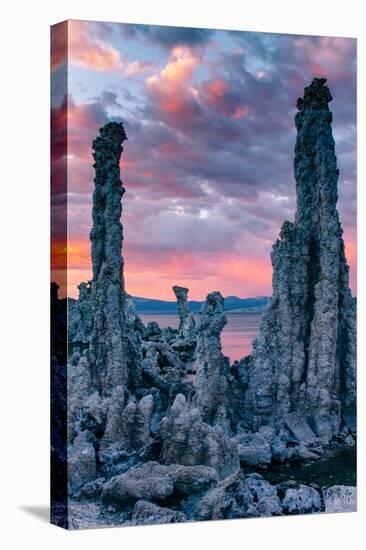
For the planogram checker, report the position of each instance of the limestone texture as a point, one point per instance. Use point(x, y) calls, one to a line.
point(211, 366)
point(340, 498)
point(80, 321)
point(301, 500)
point(147, 513)
point(304, 359)
point(146, 444)
point(108, 345)
point(185, 342)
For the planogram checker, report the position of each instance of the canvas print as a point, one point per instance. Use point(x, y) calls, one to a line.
point(203, 274)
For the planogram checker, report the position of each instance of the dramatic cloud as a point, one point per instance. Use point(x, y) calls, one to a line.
point(208, 165)
point(88, 50)
point(223, 99)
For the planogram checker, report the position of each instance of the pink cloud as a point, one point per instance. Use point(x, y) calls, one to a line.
point(171, 88)
point(91, 52)
point(327, 56)
point(136, 67)
point(219, 96)
point(88, 52)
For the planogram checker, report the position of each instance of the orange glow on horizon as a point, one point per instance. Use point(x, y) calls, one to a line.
point(243, 277)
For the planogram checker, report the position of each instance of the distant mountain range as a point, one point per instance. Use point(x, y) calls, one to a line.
point(232, 304)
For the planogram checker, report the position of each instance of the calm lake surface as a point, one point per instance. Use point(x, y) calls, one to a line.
point(236, 338)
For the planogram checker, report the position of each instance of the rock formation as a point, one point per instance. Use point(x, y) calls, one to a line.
point(185, 343)
point(146, 445)
point(108, 349)
point(80, 321)
point(304, 358)
point(211, 366)
point(186, 439)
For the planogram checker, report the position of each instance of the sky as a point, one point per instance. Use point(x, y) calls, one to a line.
point(208, 165)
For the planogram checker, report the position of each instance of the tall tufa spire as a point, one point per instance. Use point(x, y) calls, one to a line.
point(304, 359)
point(108, 341)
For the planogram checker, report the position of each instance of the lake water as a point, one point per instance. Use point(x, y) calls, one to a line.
point(337, 467)
point(236, 338)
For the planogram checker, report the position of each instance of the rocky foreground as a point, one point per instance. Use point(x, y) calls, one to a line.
point(145, 444)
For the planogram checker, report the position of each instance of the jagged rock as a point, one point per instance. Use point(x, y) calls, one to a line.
point(108, 346)
point(169, 334)
point(128, 427)
point(279, 446)
point(192, 479)
point(187, 324)
point(79, 319)
point(81, 461)
point(78, 388)
point(264, 494)
point(113, 429)
point(168, 358)
point(304, 358)
point(253, 449)
point(349, 440)
point(154, 481)
point(133, 321)
point(151, 370)
point(303, 500)
point(300, 428)
point(303, 453)
point(91, 490)
point(95, 413)
point(153, 331)
point(135, 332)
point(230, 499)
point(149, 481)
point(211, 367)
point(88, 414)
point(79, 382)
point(162, 368)
point(190, 441)
point(238, 496)
point(340, 498)
point(268, 433)
point(148, 513)
point(186, 340)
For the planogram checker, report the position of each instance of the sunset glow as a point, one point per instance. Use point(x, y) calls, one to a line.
point(208, 165)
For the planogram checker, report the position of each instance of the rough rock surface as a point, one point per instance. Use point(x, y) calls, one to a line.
point(340, 498)
point(185, 343)
point(79, 319)
point(148, 513)
point(108, 347)
point(304, 358)
point(154, 481)
point(190, 441)
point(239, 496)
point(211, 366)
point(253, 449)
point(81, 462)
point(128, 426)
point(301, 500)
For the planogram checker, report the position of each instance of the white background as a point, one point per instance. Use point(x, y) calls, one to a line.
point(24, 286)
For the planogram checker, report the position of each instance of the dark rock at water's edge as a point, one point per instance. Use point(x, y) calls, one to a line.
point(145, 444)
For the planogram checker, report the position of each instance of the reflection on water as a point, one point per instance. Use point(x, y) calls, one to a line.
point(236, 338)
